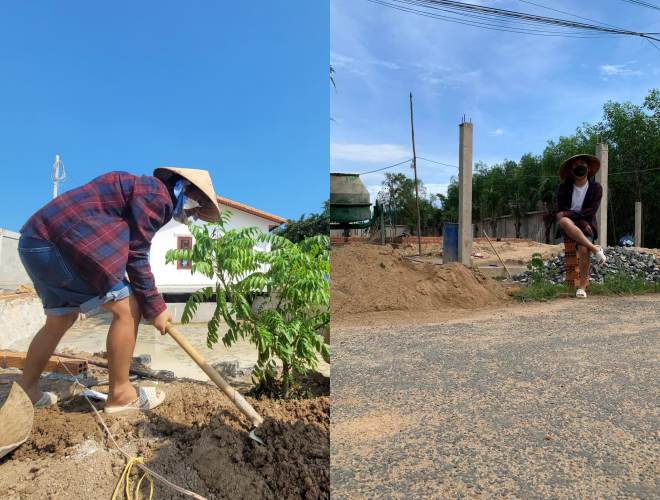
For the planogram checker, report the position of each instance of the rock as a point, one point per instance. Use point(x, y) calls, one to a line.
point(629, 261)
point(228, 369)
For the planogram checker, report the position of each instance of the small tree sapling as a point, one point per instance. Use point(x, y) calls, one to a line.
point(289, 280)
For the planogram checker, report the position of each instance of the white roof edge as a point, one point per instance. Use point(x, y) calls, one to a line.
point(11, 234)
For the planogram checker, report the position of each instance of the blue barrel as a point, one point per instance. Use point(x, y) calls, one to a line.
point(450, 242)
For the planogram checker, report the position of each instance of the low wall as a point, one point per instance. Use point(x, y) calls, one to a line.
point(405, 239)
point(531, 227)
point(12, 272)
point(390, 232)
point(202, 315)
point(20, 319)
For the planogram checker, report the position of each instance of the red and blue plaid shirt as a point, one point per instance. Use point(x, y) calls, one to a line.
point(104, 229)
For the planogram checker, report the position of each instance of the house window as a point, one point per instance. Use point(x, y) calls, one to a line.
point(183, 243)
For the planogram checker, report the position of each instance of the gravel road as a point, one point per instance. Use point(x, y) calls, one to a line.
point(529, 401)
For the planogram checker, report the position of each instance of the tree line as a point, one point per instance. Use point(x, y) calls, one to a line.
point(632, 133)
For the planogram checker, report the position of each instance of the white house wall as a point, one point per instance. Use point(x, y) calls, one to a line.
point(12, 272)
point(169, 279)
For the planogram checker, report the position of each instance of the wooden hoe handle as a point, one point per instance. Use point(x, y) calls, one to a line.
point(231, 393)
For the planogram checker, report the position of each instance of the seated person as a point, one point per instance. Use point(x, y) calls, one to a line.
point(578, 199)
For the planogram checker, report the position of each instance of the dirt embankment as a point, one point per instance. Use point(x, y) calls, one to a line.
point(368, 278)
point(512, 251)
point(196, 439)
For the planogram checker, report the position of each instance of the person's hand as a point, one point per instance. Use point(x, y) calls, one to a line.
point(160, 322)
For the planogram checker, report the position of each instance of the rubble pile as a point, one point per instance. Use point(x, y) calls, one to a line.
point(619, 260)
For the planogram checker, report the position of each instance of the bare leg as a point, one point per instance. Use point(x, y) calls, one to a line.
point(120, 346)
point(41, 349)
point(585, 264)
point(575, 233)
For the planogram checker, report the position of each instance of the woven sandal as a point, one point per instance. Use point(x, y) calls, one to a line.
point(580, 293)
point(47, 399)
point(600, 257)
point(148, 399)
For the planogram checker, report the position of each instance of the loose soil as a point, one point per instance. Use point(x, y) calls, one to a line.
point(196, 439)
point(372, 278)
point(511, 250)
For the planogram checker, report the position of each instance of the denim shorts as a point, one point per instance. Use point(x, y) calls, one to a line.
point(61, 290)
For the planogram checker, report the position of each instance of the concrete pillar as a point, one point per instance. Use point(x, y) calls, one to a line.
point(465, 194)
point(638, 223)
point(601, 178)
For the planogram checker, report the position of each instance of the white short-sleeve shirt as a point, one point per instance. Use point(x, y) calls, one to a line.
point(578, 197)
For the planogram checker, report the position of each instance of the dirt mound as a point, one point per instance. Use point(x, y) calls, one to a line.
point(196, 439)
point(512, 251)
point(368, 278)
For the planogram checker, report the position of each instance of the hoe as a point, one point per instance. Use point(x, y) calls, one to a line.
point(17, 413)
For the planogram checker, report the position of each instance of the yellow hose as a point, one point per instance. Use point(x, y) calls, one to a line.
point(125, 479)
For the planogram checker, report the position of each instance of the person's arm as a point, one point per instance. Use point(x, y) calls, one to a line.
point(148, 213)
point(564, 194)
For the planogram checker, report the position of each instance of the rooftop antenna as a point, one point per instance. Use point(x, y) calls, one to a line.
point(59, 174)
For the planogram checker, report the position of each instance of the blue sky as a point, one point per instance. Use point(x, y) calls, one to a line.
point(238, 88)
point(518, 90)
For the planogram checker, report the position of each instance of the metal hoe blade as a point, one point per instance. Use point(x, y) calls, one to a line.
point(256, 438)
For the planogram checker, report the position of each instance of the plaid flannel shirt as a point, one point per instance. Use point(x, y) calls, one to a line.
point(104, 229)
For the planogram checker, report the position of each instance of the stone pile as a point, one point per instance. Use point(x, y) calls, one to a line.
point(619, 259)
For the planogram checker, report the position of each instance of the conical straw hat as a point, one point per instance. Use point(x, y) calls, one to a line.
point(201, 179)
point(16, 415)
point(591, 160)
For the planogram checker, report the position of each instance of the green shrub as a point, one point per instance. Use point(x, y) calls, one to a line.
point(619, 283)
point(294, 279)
point(540, 288)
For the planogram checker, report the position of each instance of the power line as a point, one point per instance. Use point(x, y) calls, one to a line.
point(491, 26)
point(534, 176)
point(654, 45)
point(643, 4)
point(635, 171)
point(541, 176)
point(505, 20)
point(385, 168)
point(405, 161)
point(567, 13)
point(438, 162)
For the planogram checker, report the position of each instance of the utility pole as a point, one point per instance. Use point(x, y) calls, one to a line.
point(638, 223)
point(57, 175)
point(601, 178)
point(465, 193)
point(414, 165)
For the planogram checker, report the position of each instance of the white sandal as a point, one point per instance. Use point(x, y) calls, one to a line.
point(47, 399)
point(580, 293)
point(600, 256)
point(148, 399)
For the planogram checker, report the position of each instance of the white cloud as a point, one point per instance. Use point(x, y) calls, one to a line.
point(497, 131)
point(360, 66)
point(384, 64)
point(369, 153)
point(618, 70)
point(339, 60)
